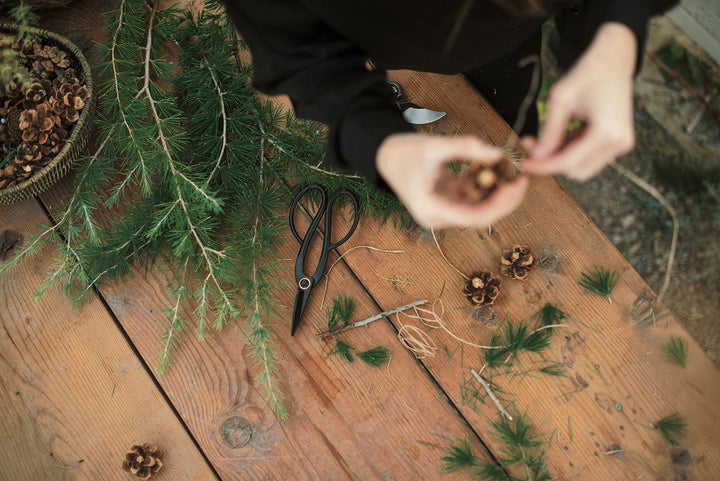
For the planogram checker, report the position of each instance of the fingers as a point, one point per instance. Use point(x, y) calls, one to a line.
point(468, 148)
point(560, 108)
point(587, 155)
point(443, 212)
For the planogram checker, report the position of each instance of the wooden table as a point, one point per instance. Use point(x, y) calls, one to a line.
point(78, 387)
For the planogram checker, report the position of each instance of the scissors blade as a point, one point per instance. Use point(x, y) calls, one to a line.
point(300, 301)
point(417, 115)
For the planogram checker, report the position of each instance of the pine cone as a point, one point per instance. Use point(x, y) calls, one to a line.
point(12, 125)
point(517, 262)
point(28, 153)
point(54, 143)
point(36, 124)
point(481, 288)
point(37, 93)
point(12, 92)
point(69, 100)
point(143, 461)
point(481, 180)
point(52, 53)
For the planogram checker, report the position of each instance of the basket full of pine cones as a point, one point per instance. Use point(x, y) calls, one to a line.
point(46, 111)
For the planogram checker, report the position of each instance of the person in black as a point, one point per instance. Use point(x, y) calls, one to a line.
point(316, 52)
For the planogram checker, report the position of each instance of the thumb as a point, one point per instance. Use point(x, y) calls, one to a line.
point(552, 132)
point(467, 148)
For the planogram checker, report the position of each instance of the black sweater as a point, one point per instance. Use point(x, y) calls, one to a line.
point(315, 51)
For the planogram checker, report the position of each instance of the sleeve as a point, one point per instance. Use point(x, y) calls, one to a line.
point(635, 14)
point(324, 74)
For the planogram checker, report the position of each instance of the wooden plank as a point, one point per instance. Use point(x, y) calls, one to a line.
point(347, 421)
point(619, 381)
point(73, 393)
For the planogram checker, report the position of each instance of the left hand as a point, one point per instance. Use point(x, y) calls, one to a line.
point(598, 90)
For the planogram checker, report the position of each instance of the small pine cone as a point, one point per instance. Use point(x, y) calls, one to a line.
point(28, 153)
point(481, 288)
point(143, 461)
point(12, 125)
point(517, 262)
point(54, 143)
point(37, 93)
point(52, 53)
point(37, 124)
point(13, 91)
point(481, 180)
point(69, 101)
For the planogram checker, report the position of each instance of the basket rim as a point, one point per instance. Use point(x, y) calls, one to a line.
point(72, 49)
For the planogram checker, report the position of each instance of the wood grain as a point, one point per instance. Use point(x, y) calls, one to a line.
point(74, 395)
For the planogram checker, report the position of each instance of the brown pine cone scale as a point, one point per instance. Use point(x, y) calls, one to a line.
point(517, 262)
point(481, 288)
point(144, 461)
point(481, 180)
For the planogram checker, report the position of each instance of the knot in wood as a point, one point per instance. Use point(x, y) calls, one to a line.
point(237, 432)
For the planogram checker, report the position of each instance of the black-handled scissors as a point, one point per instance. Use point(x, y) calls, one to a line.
point(306, 282)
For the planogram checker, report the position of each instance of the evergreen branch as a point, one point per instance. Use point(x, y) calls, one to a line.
point(459, 456)
point(494, 398)
point(176, 325)
point(223, 115)
point(375, 357)
point(550, 314)
point(367, 321)
point(599, 281)
point(676, 350)
point(672, 427)
point(343, 349)
point(340, 311)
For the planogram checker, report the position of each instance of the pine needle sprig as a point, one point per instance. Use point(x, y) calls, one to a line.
point(459, 456)
point(344, 350)
point(676, 350)
point(340, 312)
point(550, 314)
point(599, 280)
point(554, 369)
point(376, 356)
point(672, 427)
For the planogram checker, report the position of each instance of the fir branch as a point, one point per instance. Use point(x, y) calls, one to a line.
point(676, 350)
point(343, 349)
point(599, 280)
point(340, 311)
point(375, 357)
point(672, 427)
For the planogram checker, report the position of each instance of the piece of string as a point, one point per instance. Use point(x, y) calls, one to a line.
point(432, 231)
point(416, 341)
point(327, 274)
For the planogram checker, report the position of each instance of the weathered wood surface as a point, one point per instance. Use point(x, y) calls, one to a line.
point(619, 381)
point(352, 422)
point(74, 396)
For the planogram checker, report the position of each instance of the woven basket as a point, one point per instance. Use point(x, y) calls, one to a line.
point(60, 164)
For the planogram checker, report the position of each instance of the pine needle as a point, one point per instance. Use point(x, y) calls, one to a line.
point(340, 311)
point(550, 314)
point(375, 357)
point(672, 427)
point(554, 369)
point(343, 349)
point(599, 280)
point(676, 350)
point(459, 456)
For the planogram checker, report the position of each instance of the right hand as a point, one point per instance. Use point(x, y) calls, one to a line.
point(413, 164)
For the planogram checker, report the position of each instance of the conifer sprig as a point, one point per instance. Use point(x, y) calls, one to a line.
point(550, 314)
point(344, 350)
point(672, 427)
point(599, 280)
point(376, 356)
point(340, 312)
point(676, 350)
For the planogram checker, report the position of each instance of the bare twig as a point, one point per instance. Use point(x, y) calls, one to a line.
point(490, 393)
point(367, 321)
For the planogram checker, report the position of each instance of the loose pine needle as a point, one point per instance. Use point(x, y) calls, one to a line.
point(375, 357)
point(676, 350)
point(340, 311)
point(554, 369)
point(344, 350)
point(672, 427)
point(599, 280)
point(459, 456)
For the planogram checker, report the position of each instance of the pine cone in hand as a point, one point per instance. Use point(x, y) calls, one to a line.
point(36, 124)
point(69, 101)
point(481, 288)
point(517, 262)
point(143, 461)
point(481, 180)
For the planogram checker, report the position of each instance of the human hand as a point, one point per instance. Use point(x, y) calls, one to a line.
point(598, 90)
point(413, 166)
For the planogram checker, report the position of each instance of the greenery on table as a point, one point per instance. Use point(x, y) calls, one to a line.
point(193, 173)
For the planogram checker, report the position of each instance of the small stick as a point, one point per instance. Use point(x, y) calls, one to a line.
point(371, 319)
point(491, 394)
